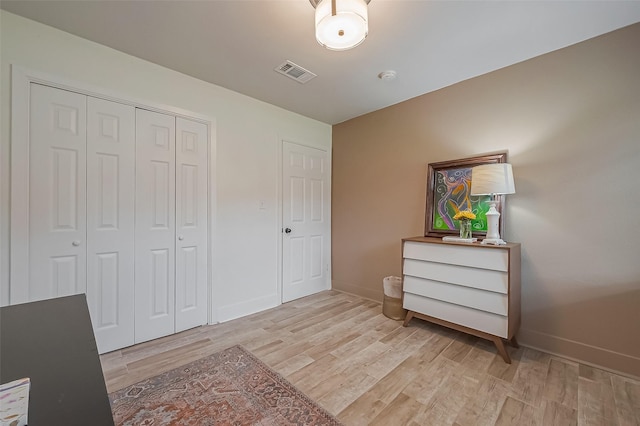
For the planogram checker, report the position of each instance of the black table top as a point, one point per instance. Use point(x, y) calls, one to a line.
point(52, 343)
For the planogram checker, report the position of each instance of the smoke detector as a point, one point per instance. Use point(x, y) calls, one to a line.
point(295, 72)
point(387, 75)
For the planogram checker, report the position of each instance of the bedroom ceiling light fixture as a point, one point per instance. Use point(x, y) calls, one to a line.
point(341, 24)
point(492, 179)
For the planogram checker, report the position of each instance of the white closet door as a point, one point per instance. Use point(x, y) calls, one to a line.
point(110, 222)
point(191, 224)
point(57, 204)
point(155, 225)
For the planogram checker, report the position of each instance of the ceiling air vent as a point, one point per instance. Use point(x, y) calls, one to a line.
point(295, 72)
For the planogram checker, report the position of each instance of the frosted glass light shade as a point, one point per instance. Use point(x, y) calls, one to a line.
point(492, 179)
point(344, 30)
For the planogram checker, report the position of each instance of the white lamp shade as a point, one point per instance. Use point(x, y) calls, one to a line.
point(494, 178)
point(344, 30)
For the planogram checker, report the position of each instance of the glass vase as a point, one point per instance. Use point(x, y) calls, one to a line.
point(465, 229)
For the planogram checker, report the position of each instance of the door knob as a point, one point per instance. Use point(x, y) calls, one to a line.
point(180, 237)
point(287, 230)
point(75, 243)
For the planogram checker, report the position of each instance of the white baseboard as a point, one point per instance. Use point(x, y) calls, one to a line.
point(605, 359)
point(241, 309)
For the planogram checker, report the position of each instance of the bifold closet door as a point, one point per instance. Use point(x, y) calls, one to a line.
point(57, 189)
point(110, 222)
point(117, 208)
point(81, 207)
point(154, 225)
point(191, 224)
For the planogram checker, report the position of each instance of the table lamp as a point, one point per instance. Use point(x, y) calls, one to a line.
point(492, 179)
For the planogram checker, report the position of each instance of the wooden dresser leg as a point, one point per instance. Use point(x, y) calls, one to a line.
point(407, 318)
point(502, 350)
point(514, 342)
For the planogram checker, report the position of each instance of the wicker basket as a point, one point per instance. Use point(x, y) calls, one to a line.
point(392, 301)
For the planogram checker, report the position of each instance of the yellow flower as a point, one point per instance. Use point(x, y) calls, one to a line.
point(464, 215)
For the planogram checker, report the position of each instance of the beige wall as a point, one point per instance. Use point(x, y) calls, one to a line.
point(571, 123)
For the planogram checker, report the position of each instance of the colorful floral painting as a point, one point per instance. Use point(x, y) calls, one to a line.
point(449, 192)
point(452, 194)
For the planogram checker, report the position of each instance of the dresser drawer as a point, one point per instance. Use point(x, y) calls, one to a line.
point(462, 315)
point(489, 301)
point(485, 279)
point(473, 256)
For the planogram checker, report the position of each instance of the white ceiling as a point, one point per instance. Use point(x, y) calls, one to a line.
point(237, 44)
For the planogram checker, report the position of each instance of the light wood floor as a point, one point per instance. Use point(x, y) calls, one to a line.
point(367, 369)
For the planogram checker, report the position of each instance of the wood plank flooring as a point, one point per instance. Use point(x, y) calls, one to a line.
point(367, 369)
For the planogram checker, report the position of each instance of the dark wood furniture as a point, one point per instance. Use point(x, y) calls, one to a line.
point(52, 343)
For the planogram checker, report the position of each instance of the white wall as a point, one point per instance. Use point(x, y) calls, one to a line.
point(249, 132)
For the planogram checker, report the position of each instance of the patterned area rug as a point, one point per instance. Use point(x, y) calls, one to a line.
point(231, 387)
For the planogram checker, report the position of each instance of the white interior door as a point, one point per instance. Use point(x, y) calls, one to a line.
point(57, 204)
point(305, 221)
point(110, 222)
point(155, 225)
point(191, 224)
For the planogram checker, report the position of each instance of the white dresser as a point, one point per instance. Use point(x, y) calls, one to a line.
point(472, 288)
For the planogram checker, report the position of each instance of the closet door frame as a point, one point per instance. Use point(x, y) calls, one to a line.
point(21, 79)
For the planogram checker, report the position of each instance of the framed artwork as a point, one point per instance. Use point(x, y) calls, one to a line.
point(449, 191)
